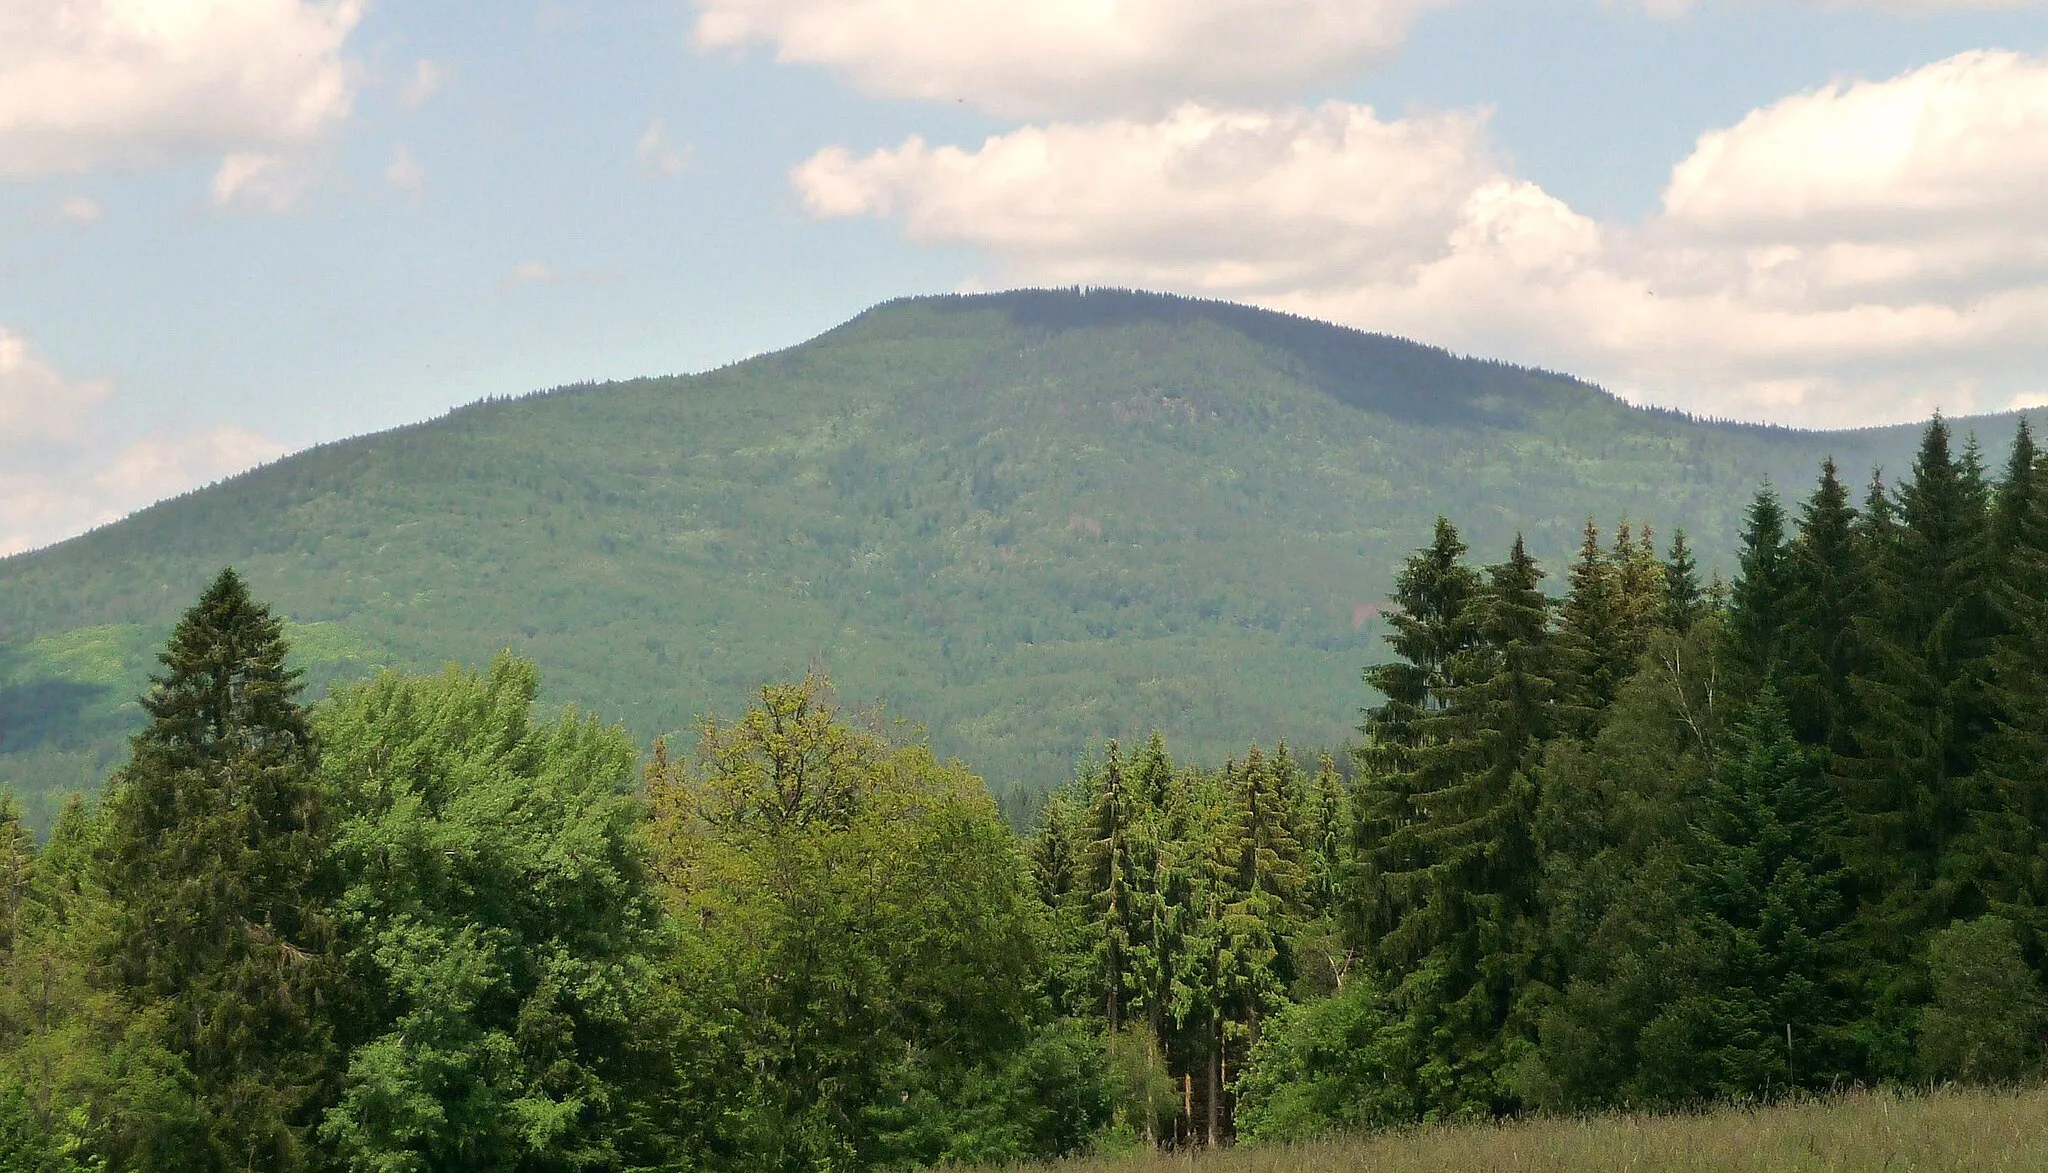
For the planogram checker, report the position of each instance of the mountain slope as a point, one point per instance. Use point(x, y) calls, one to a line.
point(1024, 520)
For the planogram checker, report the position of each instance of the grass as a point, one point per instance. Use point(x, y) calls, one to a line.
point(1984, 1131)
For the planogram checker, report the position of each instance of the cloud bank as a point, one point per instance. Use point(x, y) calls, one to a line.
point(1067, 56)
point(61, 475)
point(86, 84)
point(1852, 253)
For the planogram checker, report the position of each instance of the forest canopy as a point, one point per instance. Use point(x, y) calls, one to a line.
point(1612, 837)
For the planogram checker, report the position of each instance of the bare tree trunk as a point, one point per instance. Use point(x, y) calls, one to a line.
point(1213, 1135)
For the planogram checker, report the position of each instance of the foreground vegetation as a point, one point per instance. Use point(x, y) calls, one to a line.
point(1655, 844)
point(1863, 1132)
point(1027, 522)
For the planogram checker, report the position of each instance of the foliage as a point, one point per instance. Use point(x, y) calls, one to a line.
point(856, 926)
point(1028, 521)
point(503, 935)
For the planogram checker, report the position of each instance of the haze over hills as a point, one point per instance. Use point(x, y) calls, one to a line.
point(1025, 521)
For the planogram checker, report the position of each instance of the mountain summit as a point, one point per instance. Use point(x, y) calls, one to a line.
point(1023, 520)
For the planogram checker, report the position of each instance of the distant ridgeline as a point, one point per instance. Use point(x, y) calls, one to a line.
point(1646, 842)
point(1023, 521)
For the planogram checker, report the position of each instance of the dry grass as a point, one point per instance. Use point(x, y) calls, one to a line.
point(1986, 1131)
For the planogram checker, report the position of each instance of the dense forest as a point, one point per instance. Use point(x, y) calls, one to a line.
point(1640, 841)
point(1028, 521)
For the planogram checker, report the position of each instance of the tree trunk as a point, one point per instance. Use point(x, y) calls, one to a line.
point(1213, 1134)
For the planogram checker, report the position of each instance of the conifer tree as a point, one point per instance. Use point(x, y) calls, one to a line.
point(1435, 628)
point(1592, 652)
point(1270, 874)
point(1158, 828)
point(1432, 626)
point(1757, 602)
point(1466, 936)
point(1640, 575)
point(1683, 599)
point(2012, 830)
point(1112, 878)
point(1773, 893)
point(1829, 592)
point(216, 859)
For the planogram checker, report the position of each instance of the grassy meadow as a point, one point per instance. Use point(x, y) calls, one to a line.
point(1985, 1131)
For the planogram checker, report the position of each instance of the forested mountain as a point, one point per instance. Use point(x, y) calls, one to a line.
point(1027, 521)
point(1644, 843)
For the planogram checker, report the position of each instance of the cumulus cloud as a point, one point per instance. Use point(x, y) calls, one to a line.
point(93, 83)
point(1859, 252)
point(250, 181)
point(61, 474)
point(1069, 55)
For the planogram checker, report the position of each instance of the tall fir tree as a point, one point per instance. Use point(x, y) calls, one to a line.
point(1112, 876)
point(1757, 602)
point(2012, 829)
point(1914, 787)
point(1640, 575)
point(1435, 628)
point(1684, 599)
point(1591, 635)
point(1464, 872)
point(1432, 626)
point(216, 859)
point(1829, 592)
point(1773, 895)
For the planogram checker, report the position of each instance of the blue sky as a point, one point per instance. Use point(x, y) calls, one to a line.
point(232, 228)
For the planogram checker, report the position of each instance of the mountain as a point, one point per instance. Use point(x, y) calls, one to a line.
point(1023, 520)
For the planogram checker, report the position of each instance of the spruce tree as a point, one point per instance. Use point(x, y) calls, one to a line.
point(2012, 830)
point(1772, 889)
point(1464, 870)
point(1592, 635)
point(1435, 627)
point(1158, 825)
point(1757, 602)
point(1112, 880)
point(215, 856)
point(1640, 576)
point(1683, 599)
point(1829, 592)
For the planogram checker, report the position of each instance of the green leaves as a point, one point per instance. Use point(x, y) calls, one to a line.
point(504, 932)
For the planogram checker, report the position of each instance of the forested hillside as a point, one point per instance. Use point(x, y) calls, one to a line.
point(1648, 843)
point(1026, 521)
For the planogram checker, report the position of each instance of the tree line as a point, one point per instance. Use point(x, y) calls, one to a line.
point(1650, 843)
point(1646, 842)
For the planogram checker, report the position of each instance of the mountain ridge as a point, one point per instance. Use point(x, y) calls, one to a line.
point(1025, 520)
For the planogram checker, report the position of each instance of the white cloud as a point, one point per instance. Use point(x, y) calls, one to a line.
point(92, 83)
point(60, 471)
point(1069, 55)
point(1860, 252)
point(426, 79)
point(404, 172)
point(1211, 199)
point(36, 403)
point(660, 158)
point(249, 181)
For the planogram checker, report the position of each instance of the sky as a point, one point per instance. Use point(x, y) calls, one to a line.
point(231, 229)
